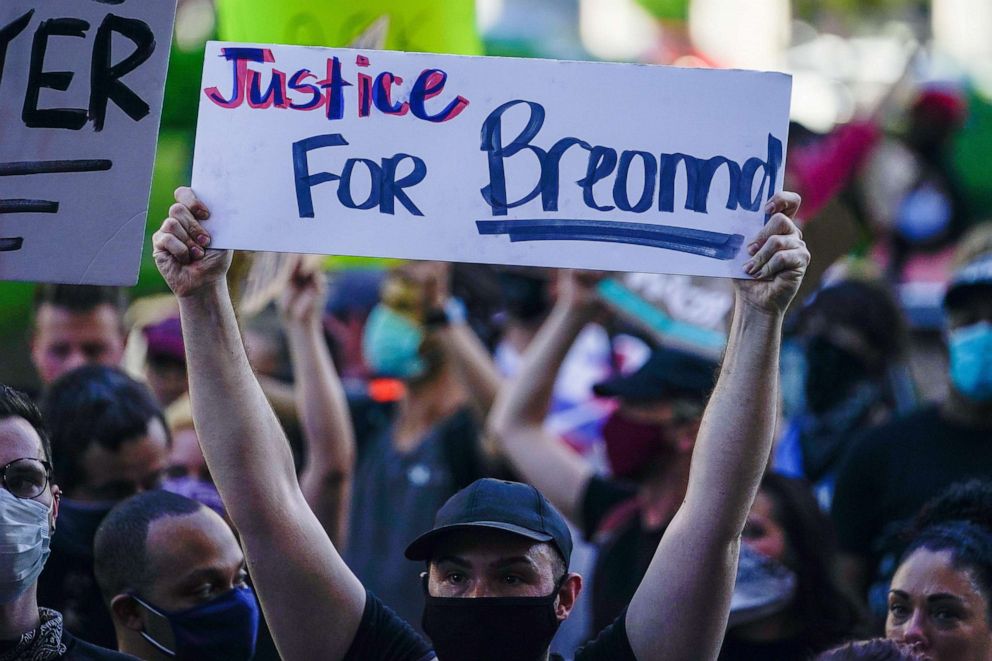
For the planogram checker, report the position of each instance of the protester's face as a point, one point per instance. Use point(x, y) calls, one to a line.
point(168, 381)
point(192, 559)
point(763, 533)
point(492, 563)
point(64, 340)
point(137, 465)
point(18, 439)
point(938, 609)
point(186, 457)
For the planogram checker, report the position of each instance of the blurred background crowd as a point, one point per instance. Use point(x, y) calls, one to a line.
point(887, 382)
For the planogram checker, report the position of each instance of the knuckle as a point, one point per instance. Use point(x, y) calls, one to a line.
point(178, 209)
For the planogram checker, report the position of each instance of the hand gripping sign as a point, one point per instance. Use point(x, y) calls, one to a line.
point(493, 160)
point(81, 86)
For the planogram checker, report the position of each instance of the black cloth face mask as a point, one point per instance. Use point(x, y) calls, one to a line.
point(491, 628)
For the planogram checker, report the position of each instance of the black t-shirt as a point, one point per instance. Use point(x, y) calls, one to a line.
point(893, 469)
point(383, 636)
point(80, 650)
point(611, 519)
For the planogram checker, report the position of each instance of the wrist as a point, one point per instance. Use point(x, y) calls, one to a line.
point(208, 293)
point(758, 316)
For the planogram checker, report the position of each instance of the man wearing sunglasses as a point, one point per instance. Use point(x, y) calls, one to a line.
point(29, 505)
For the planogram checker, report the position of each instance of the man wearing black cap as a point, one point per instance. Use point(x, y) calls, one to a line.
point(649, 440)
point(892, 470)
point(496, 580)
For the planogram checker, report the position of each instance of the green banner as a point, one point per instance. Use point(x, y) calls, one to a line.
point(430, 26)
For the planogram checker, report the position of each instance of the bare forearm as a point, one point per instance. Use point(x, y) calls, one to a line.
point(736, 434)
point(528, 397)
point(472, 363)
point(229, 407)
point(327, 429)
point(696, 561)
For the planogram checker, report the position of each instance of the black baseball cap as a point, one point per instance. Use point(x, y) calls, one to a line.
point(666, 373)
point(976, 273)
point(497, 504)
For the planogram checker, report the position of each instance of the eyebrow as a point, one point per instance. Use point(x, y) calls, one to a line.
point(940, 596)
point(501, 563)
point(516, 560)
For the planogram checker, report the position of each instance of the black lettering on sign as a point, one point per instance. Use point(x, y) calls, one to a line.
point(7, 34)
point(11, 244)
point(105, 78)
point(38, 78)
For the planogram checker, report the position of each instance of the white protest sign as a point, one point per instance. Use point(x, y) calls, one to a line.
point(492, 160)
point(81, 87)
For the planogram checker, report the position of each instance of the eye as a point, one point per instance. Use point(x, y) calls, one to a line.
point(898, 611)
point(945, 616)
point(241, 579)
point(455, 578)
point(511, 579)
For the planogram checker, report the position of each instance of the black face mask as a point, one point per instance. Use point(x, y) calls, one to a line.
point(491, 628)
point(831, 373)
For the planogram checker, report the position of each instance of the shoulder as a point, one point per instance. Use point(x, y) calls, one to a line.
point(80, 650)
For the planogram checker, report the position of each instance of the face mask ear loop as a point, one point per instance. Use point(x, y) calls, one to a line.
point(144, 634)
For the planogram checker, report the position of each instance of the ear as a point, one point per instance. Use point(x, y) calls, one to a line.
point(127, 612)
point(56, 499)
point(567, 594)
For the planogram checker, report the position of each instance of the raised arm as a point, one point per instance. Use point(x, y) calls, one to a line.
point(517, 419)
point(312, 602)
point(328, 436)
point(680, 609)
point(461, 346)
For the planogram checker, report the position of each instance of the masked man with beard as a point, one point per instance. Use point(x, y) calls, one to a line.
point(892, 470)
point(496, 557)
point(173, 576)
point(29, 506)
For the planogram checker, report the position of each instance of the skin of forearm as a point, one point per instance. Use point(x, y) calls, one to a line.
point(472, 364)
point(251, 463)
point(692, 573)
point(529, 395)
point(321, 403)
point(230, 408)
point(327, 431)
point(736, 434)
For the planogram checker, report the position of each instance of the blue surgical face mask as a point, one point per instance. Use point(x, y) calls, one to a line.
point(971, 360)
point(391, 344)
point(25, 534)
point(223, 628)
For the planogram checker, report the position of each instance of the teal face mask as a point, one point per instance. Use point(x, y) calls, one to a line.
point(391, 344)
point(971, 361)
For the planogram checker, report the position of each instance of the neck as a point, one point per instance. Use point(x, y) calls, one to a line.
point(662, 492)
point(967, 412)
point(20, 615)
point(425, 405)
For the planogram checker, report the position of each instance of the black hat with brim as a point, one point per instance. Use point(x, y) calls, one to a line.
point(490, 504)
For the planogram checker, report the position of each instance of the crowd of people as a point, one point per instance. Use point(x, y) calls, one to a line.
point(459, 463)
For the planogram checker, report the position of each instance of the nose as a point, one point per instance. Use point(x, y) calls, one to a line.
point(915, 632)
point(75, 359)
point(478, 589)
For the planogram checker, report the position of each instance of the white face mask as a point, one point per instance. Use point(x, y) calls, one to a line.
point(25, 535)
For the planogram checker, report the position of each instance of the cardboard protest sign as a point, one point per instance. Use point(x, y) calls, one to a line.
point(81, 86)
point(414, 25)
point(491, 160)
